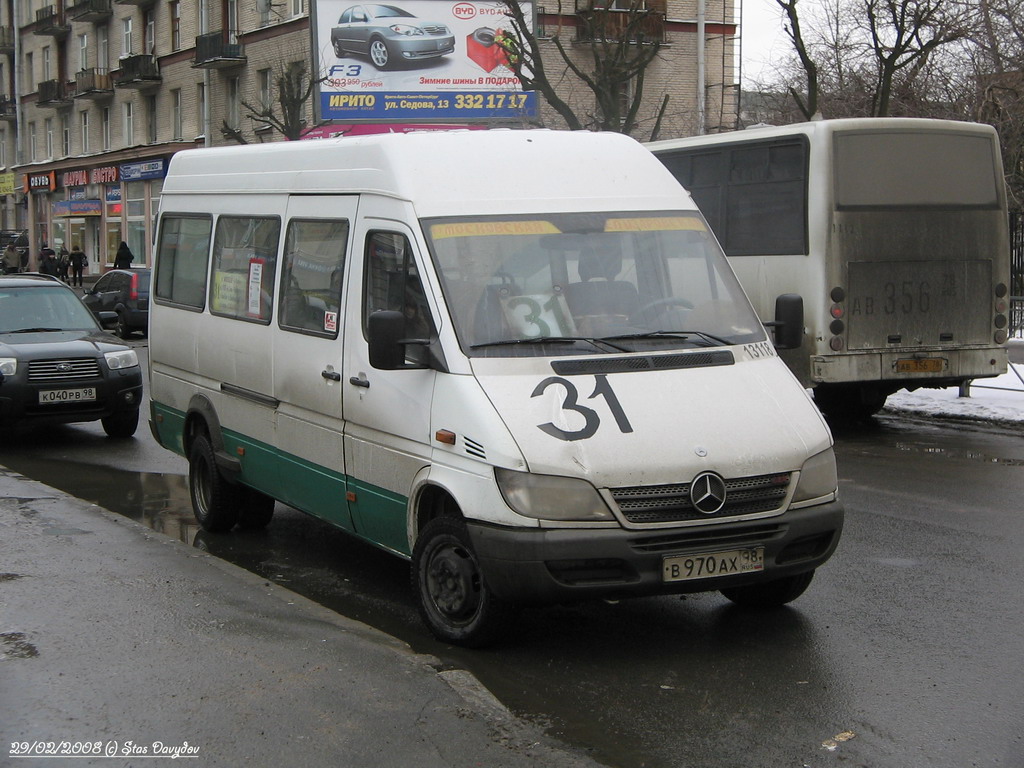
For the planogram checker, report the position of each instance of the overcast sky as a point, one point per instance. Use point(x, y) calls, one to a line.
point(762, 36)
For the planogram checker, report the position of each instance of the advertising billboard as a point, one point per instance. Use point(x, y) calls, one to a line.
point(417, 60)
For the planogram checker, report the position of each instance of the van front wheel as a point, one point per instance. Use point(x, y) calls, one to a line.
point(215, 502)
point(454, 599)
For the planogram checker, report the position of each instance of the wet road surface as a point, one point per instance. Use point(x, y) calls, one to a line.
point(906, 650)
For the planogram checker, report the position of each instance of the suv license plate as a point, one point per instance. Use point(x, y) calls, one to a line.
point(81, 395)
point(710, 564)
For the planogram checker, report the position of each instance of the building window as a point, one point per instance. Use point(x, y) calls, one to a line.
point(83, 122)
point(264, 80)
point(233, 119)
point(105, 127)
point(201, 108)
point(30, 84)
point(151, 119)
point(148, 32)
point(175, 9)
point(232, 21)
point(176, 132)
point(126, 36)
point(65, 137)
point(297, 7)
point(32, 142)
point(48, 135)
point(83, 52)
point(102, 47)
point(45, 59)
point(129, 124)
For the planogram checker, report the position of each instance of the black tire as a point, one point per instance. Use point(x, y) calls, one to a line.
point(122, 328)
point(256, 509)
point(454, 599)
point(849, 402)
point(121, 424)
point(771, 594)
point(215, 501)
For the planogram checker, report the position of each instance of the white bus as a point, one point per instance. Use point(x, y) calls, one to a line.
point(893, 232)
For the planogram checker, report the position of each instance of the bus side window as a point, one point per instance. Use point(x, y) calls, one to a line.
point(393, 283)
point(312, 275)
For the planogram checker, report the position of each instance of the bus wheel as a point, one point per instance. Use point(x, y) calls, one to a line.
point(256, 509)
point(770, 594)
point(849, 402)
point(214, 499)
point(454, 600)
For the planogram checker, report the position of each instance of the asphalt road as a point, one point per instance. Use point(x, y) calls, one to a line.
point(906, 651)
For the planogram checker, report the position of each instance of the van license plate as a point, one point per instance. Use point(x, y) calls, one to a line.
point(710, 564)
point(926, 365)
point(82, 395)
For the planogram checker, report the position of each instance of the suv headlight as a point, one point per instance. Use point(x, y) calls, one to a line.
point(8, 366)
point(550, 497)
point(818, 477)
point(126, 358)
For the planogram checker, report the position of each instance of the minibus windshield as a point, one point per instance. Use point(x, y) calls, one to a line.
point(588, 283)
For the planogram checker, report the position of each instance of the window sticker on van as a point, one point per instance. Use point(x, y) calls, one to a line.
point(489, 228)
point(538, 315)
point(656, 224)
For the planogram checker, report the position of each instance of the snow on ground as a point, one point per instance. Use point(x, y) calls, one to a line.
point(999, 399)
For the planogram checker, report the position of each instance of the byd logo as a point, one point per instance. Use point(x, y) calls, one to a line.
point(464, 11)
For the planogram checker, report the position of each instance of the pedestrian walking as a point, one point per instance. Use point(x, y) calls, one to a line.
point(48, 262)
point(12, 260)
point(63, 263)
point(78, 261)
point(124, 257)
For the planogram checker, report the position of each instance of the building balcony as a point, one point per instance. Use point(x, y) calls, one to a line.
point(8, 109)
point(139, 71)
point(54, 94)
point(139, 3)
point(6, 40)
point(639, 21)
point(90, 10)
point(50, 22)
point(93, 84)
point(214, 52)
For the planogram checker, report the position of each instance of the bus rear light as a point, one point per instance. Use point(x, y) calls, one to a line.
point(837, 294)
point(1000, 321)
point(836, 311)
point(835, 343)
point(1001, 306)
point(1000, 290)
point(1000, 337)
point(837, 327)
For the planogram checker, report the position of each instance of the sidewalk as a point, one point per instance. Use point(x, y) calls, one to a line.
point(114, 635)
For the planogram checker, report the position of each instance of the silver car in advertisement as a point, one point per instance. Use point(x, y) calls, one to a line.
point(390, 36)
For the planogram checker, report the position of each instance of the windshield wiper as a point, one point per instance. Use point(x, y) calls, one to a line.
point(672, 335)
point(36, 330)
point(599, 343)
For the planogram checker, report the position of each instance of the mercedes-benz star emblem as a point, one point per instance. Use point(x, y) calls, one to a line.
point(707, 493)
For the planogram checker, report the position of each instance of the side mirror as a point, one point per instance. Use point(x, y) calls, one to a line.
point(107, 319)
point(385, 330)
point(789, 321)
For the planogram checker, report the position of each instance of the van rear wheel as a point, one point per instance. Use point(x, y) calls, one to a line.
point(215, 501)
point(454, 599)
point(770, 594)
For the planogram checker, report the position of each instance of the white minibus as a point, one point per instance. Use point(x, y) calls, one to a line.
point(518, 359)
point(892, 231)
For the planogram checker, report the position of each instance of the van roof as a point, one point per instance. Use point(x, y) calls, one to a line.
point(445, 172)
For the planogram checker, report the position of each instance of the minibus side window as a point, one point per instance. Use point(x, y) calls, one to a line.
point(244, 262)
point(311, 276)
point(393, 282)
point(182, 260)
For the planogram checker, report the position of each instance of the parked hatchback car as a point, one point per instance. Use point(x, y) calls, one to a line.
point(57, 366)
point(389, 36)
point(125, 292)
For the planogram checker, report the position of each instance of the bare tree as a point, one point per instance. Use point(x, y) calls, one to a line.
point(618, 44)
point(292, 87)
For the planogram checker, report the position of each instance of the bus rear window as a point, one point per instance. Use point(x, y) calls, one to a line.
point(888, 169)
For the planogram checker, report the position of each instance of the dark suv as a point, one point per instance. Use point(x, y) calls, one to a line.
point(57, 366)
point(126, 292)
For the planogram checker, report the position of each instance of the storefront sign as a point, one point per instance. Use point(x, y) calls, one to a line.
point(7, 184)
point(151, 169)
point(106, 174)
point(41, 182)
point(113, 195)
point(64, 208)
point(76, 178)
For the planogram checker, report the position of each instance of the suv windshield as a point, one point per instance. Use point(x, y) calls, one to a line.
point(37, 308)
point(585, 283)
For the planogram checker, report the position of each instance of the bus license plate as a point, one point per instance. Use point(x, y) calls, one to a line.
point(710, 564)
point(925, 365)
point(81, 395)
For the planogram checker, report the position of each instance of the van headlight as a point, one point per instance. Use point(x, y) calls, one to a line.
point(550, 497)
point(818, 477)
point(126, 358)
point(8, 366)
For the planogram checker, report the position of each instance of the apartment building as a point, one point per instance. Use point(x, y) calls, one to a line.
point(96, 96)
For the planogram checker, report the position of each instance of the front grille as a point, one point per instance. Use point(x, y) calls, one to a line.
point(435, 29)
point(671, 503)
point(55, 371)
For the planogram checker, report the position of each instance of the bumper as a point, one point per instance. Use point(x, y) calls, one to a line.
point(423, 49)
point(539, 566)
point(19, 401)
